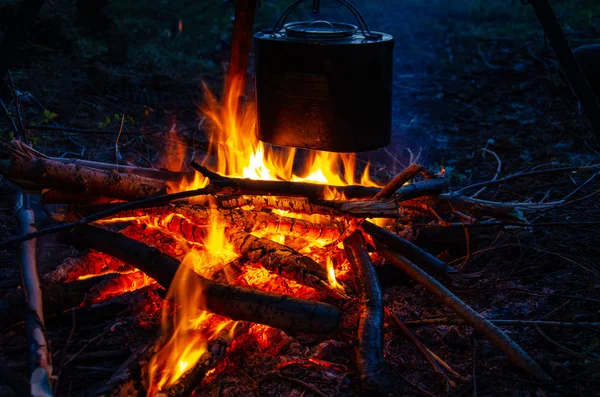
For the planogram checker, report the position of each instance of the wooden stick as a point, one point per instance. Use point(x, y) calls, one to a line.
point(506, 323)
point(430, 187)
point(39, 357)
point(312, 191)
point(241, 42)
point(479, 208)
point(388, 190)
point(496, 182)
point(369, 352)
point(57, 297)
point(408, 249)
point(112, 210)
point(90, 264)
point(419, 346)
point(238, 303)
point(493, 333)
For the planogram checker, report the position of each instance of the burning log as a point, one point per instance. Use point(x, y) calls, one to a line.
point(238, 303)
point(284, 261)
point(92, 263)
point(299, 205)
point(269, 222)
point(369, 352)
point(493, 333)
point(116, 285)
point(55, 174)
point(214, 354)
point(57, 297)
point(275, 257)
point(408, 249)
point(228, 185)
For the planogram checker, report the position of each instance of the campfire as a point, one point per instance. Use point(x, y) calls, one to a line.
point(254, 238)
point(254, 247)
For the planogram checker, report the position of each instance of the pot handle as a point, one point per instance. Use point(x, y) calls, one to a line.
point(322, 22)
point(364, 27)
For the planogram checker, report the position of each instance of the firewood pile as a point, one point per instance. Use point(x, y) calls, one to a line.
point(236, 255)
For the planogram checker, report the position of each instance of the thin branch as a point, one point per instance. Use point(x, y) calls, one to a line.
point(388, 190)
point(526, 174)
point(11, 121)
point(132, 205)
point(498, 169)
point(22, 130)
point(506, 323)
point(495, 335)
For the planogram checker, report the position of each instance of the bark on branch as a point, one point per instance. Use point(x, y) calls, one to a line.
point(39, 357)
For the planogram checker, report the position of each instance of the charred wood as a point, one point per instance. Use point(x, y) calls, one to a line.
point(91, 263)
point(57, 297)
point(430, 187)
point(275, 257)
point(404, 247)
point(256, 220)
point(238, 303)
point(227, 185)
point(388, 190)
point(284, 261)
point(369, 352)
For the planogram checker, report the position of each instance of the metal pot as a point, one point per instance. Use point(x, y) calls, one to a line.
point(324, 85)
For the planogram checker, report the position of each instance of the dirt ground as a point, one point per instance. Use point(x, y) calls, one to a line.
point(468, 76)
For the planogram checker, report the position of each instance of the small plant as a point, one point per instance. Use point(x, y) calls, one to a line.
point(116, 121)
point(47, 116)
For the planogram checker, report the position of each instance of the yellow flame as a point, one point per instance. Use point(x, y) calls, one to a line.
point(235, 150)
point(191, 328)
point(331, 274)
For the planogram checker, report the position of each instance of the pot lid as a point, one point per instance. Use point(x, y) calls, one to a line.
point(322, 30)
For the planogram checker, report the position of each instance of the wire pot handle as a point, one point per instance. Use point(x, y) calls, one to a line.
point(364, 27)
point(321, 22)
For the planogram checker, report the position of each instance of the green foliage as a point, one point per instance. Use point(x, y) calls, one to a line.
point(115, 121)
point(47, 116)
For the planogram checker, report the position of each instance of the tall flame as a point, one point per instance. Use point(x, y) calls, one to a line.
point(190, 328)
point(235, 150)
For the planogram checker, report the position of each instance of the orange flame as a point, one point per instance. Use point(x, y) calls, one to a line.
point(191, 328)
point(235, 150)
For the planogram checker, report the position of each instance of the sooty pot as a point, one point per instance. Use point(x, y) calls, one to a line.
point(324, 85)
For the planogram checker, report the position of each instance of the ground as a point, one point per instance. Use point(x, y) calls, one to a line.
point(469, 75)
